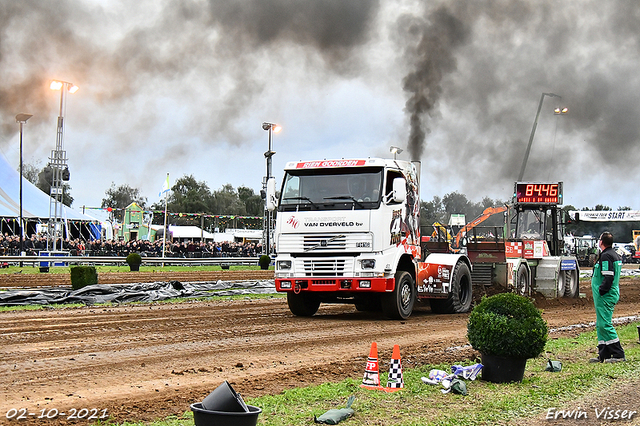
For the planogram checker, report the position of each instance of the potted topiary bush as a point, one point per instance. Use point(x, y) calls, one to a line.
point(264, 261)
point(507, 329)
point(134, 260)
point(83, 275)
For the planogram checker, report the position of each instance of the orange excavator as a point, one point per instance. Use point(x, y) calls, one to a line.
point(486, 214)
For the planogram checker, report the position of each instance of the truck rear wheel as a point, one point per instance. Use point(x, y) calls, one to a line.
point(460, 295)
point(303, 304)
point(571, 283)
point(399, 303)
point(522, 281)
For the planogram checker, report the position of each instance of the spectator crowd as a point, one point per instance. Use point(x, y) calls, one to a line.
point(10, 246)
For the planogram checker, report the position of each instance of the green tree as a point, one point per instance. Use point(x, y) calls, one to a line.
point(119, 197)
point(430, 212)
point(254, 205)
point(30, 171)
point(190, 196)
point(45, 180)
point(227, 201)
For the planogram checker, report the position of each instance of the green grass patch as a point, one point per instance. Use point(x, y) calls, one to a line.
point(485, 404)
point(41, 307)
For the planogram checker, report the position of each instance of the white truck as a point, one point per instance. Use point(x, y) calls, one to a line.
point(348, 231)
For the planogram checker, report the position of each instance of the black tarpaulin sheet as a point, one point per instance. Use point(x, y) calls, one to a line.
point(138, 292)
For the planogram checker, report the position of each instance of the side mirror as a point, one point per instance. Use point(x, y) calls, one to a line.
point(399, 190)
point(271, 199)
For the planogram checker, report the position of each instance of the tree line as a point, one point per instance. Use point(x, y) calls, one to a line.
point(188, 195)
point(441, 209)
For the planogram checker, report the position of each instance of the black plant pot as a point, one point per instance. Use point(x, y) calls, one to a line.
point(203, 417)
point(224, 398)
point(499, 369)
point(134, 267)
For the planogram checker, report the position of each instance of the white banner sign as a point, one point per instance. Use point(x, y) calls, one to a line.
point(607, 215)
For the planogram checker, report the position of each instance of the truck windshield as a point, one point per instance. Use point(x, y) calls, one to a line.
point(331, 189)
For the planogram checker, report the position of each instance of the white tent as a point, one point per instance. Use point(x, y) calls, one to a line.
point(35, 203)
point(184, 233)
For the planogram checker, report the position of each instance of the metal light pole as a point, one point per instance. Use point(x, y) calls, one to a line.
point(58, 163)
point(271, 128)
point(533, 132)
point(22, 119)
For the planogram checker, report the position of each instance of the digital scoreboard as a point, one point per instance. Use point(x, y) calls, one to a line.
point(538, 193)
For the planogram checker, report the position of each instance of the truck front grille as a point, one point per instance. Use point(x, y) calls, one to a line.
point(324, 242)
point(310, 244)
point(324, 267)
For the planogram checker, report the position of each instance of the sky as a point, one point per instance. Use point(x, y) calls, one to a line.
point(183, 86)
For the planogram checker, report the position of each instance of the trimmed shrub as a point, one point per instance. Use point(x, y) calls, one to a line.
point(134, 259)
point(507, 325)
point(82, 276)
point(264, 261)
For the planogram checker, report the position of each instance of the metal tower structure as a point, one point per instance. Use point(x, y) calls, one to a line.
point(59, 171)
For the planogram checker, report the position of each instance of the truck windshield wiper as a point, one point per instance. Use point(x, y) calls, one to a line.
point(301, 198)
point(345, 197)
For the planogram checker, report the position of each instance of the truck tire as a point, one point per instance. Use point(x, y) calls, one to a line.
point(560, 284)
point(303, 304)
point(522, 281)
point(571, 283)
point(461, 293)
point(399, 303)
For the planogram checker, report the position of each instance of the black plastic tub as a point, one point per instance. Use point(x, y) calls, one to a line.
point(204, 417)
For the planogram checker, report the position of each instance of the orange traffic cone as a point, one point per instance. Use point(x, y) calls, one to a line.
point(395, 382)
point(371, 379)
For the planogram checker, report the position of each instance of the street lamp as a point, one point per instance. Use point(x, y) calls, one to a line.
point(271, 128)
point(533, 131)
point(560, 111)
point(22, 119)
point(58, 162)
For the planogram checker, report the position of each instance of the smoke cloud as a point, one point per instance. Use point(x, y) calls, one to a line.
point(216, 43)
point(438, 37)
point(476, 73)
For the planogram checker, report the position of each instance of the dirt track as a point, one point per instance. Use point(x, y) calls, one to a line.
point(141, 362)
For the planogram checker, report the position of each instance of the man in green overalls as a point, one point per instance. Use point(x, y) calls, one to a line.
point(606, 293)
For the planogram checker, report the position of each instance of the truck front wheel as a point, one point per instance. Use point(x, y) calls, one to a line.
point(303, 304)
point(399, 303)
point(460, 295)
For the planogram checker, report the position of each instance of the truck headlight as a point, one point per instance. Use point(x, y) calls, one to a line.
point(368, 263)
point(283, 264)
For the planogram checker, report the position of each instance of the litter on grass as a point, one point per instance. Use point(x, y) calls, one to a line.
point(335, 416)
point(451, 382)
